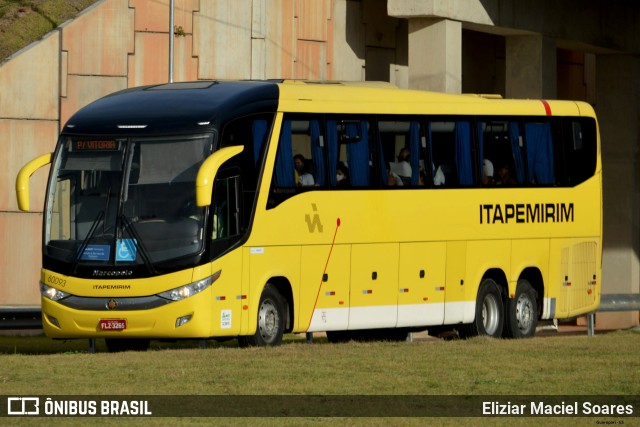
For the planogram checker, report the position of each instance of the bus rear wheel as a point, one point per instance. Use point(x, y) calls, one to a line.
point(489, 318)
point(522, 312)
point(271, 318)
point(116, 345)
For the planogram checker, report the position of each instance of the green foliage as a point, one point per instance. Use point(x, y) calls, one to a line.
point(25, 21)
point(178, 31)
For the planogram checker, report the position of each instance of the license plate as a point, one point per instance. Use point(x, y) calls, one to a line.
point(113, 324)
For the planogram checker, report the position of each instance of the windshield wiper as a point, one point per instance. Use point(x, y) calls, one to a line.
point(144, 254)
point(85, 242)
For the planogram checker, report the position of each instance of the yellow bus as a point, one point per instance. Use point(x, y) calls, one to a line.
point(253, 209)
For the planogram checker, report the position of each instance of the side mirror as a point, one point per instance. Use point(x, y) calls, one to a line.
point(208, 171)
point(22, 181)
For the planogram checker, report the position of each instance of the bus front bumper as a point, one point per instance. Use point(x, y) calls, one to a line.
point(188, 318)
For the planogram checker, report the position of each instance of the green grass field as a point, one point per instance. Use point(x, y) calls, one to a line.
point(561, 364)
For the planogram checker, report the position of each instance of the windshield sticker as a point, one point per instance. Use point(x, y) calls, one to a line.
point(96, 253)
point(126, 250)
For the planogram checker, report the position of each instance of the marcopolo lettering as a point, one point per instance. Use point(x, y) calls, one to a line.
point(523, 213)
point(112, 273)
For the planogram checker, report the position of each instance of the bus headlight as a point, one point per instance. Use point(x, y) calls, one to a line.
point(191, 289)
point(52, 293)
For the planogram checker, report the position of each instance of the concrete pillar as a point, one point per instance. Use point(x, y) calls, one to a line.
point(531, 67)
point(618, 109)
point(435, 55)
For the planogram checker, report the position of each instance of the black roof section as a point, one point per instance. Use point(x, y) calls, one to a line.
point(173, 108)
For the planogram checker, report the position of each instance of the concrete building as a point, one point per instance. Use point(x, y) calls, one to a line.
point(574, 49)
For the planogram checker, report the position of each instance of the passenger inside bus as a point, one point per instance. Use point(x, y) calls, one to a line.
point(342, 176)
point(504, 177)
point(438, 176)
point(487, 173)
point(303, 176)
point(393, 179)
point(403, 167)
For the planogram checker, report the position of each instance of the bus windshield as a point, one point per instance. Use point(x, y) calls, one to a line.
point(122, 202)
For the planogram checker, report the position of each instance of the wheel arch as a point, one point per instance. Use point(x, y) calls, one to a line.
point(283, 286)
point(534, 276)
point(500, 278)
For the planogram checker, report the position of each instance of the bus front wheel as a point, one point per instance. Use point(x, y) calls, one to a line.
point(489, 317)
point(271, 318)
point(522, 312)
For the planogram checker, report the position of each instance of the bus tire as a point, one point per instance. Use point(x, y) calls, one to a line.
point(271, 318)
point(116, 345)
point(521, 312)
point(489, 318)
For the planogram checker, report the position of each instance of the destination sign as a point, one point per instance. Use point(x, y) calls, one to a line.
point(95, 145)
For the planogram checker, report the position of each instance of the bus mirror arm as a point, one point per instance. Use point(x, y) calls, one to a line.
point(208, 171)
point(22, 181)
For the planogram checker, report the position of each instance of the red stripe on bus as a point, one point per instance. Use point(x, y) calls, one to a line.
point(547, 107)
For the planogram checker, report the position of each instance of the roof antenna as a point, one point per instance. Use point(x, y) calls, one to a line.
point(171, 37)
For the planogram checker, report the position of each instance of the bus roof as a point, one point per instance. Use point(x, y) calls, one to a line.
point(384, 98)
point(184, 107)
point(189, 107)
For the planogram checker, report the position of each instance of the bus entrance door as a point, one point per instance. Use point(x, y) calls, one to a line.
point(374, 284)
point(325, 291)
point(422, 284)
point(455, 286)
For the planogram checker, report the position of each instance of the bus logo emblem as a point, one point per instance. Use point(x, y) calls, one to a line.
point(112, 304)
point(314, 223)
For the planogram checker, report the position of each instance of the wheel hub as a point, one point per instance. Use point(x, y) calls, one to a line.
point(268, 320)
point(524, 313)
point(490, 315)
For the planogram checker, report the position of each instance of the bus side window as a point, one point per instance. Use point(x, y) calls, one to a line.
point(579, 148)
point(252, 131)
point(350, 149)
point(308, 153)
point(500, 151)
point(452, 153)
point(300, 159)
point(540, 162)
point(226, 207)
point(402, 152)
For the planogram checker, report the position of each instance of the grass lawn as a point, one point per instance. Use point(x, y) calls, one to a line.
point(606, 364)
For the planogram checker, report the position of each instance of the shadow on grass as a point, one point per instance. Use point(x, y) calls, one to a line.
point(40, 344)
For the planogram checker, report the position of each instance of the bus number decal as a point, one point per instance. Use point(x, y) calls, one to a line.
point(56, 281)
